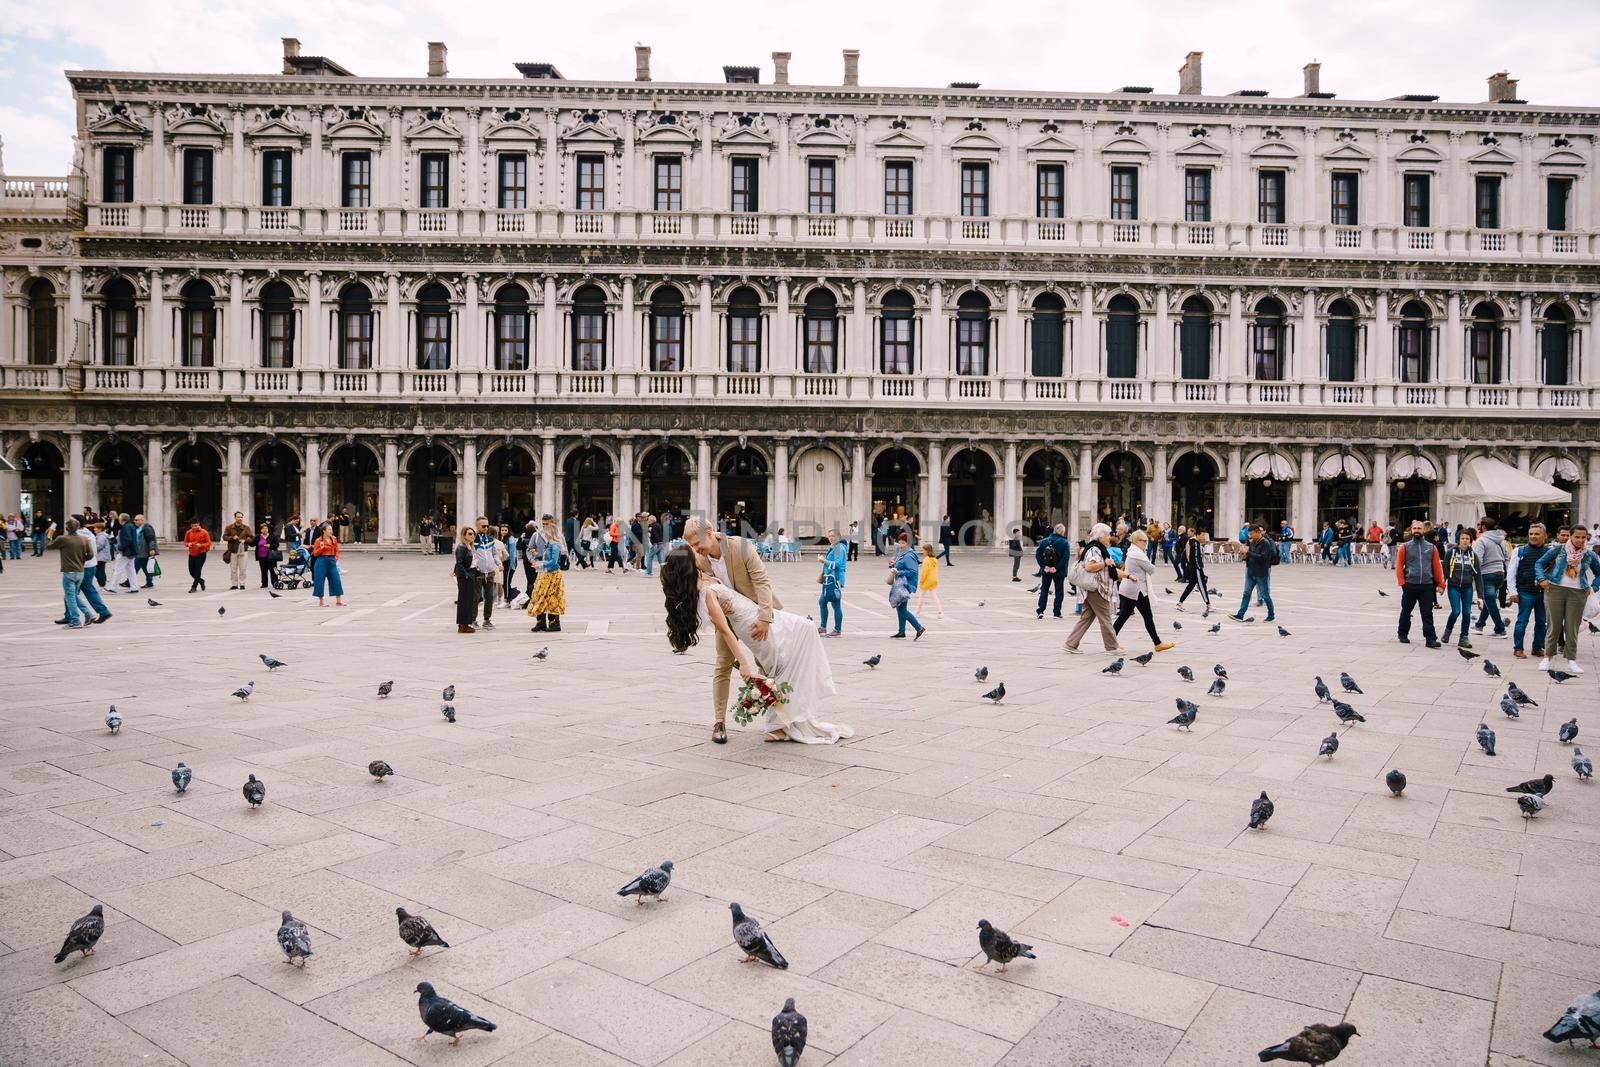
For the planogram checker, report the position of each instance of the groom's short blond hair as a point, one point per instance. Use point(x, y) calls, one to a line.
point(694, 526)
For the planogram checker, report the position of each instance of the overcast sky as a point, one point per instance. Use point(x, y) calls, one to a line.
point(1368, 48)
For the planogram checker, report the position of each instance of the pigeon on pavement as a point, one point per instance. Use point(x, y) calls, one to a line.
point(1582, 1019)
point(1260, 811)
point(1382, 593)
point(873, 660)
point(998, 947)
point(272, 664)
point(255, 791)
point(113, 720)
point(1218, 687)
point(1114, 667)
point(449, 712)
point(1349, 683)
point(1187, 711)
point(1490, 668)
point(1541, 786)
point(981, 674)
point(543, 653)
point(1465, 654)
point(1216, 628)
point(1396, 781)
point(1509, 706)
point(1559, 676)
point(651, 883)
point(377, 768)
point(1346, 713)
point(1568, 731)
point(385, 688)
point(244, 691)
point(152, 601)
point(788, 1034)
point(222, 611)
point(1177, 625)
point(1317, 1044)
point(1219, 670)
point(1516, 693)
point(1329, 746)
point(294, 939)
point(1581, 764)
point(754, 941)
point(418, 932)
point(442, 1016)
point(1594, 629)
point(997, 694)
point(83, 933)
point(181, 776)
point(1144, 660)
point(1531, 804)
point(1282, 632)
point(1486, 739)
point(274, 594)
point(1185, 673)
point(1321, 689)
point(449, 693)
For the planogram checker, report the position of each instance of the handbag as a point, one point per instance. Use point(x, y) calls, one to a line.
point(153, 569)
point(1591, 607)
point(899, 592)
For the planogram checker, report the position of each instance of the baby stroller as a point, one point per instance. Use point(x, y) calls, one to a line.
point(292, 570)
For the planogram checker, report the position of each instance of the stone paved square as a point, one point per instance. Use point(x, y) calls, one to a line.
point(1449, 929)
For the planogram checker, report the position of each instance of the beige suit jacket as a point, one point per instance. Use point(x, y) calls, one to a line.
point(746, 573)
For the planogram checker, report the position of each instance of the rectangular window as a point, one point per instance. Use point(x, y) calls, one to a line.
point(197, 175)
point(1125, 193)
point(1197, 195)
point(355, 180)
point(591, 183)
point(199, 337)
point(669, 183)
point(897, 187)
point(513, 181)
point(116, 178)
point(1558, 204)
point(1418, 202)
point(1270, 187)
point(974, 190)
point(355, 350)
point(819, 186)
point(822, 344)
point(896, 354)
point(1413, 354)
point(589, 340)
point(744, 344)
point(1488, 201)
point(746, 178)
point(1345, 209)
point(511, 340)
point(277, 339)
point(433, 338)
point(1050, 183)
point(972, 345)
point(666, 343)
point(435, 179)
point(277, 169)
point(120, 326)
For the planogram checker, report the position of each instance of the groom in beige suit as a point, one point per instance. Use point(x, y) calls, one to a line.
point(735, 563)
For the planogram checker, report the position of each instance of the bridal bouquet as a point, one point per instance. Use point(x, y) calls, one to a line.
point(758, 695)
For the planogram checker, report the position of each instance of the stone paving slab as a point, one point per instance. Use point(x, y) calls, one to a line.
point(1451, 930)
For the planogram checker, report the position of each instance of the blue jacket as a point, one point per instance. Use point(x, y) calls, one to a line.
point(1063, 549)
point(550, 560)
point(833, 565)
point(909, 566)
point(1544, 569)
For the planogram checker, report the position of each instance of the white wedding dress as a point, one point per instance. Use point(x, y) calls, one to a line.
point(792, 652)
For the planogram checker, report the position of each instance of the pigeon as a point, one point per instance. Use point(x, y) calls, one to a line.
point(385, 688)
point(1186, 674)
point(1114, 667)
point(1568, 731)
point(873, 661)
point(113, 720)
point(272, 664)
point(294, 939)
point(1382, 593)
point(83, 933)
point(1283, 633)
point(244, 691)
point(543, 653)
point(1346, 713)
point(1177, 625)
point(274, 594)
point(1249, 618)
point(1509, 706)
point(1219, 670)
point(998, 947)
point(152, 601)
point(1581, 764)
point(1486, 739)
point(1396, 781)
point(1531, 804)
point(651, 883)
point(1318, 1043)
point(449, 712)
point(981, 674)
point(1214, 592)
point(1490, 668)
point(449, 693)
point(1321, 689)
point(1218, 687)
point(754, 941)
point(377, 768)
point(255, 791)
point(1594, 629)
point(1165, 590)
point(1144, 660)
point(1559, 676)
point(1329, 746)
point(1186, 714)
point(997, 694)
point(222, 611)
point(981, 603)
point(1541, 786)
point(1260, 811)
point(1465, 654)
point(418, 932)
point(1582, 1019)
point(788, 1034)
point(1349, 684)
point(1216, 628)
point(181, 776)
point(446, 1017)
point(1519, 696)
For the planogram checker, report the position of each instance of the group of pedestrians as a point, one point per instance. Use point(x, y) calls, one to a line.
point(487, 559)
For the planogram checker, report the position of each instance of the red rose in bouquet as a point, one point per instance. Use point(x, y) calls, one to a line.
point(757, 696)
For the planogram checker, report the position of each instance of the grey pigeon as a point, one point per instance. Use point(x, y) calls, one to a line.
point(1568, 731)
point(274, 594)
point(543, 653)
point(418, 932)
point(651, 883)
point(1559, 676)
point(1283, 633)
point(1317, 1044)
point(449, 712)
point(1260, 811)
point(1218, 687)
point(1346, 713)
point(1167, 591)
point(255, 791)
point(152, 601)
point(83, 933)
point(1490, 669)
point(1216, 628)
point(754, 941)
point(1486, 739)
point(442, 1016)
point(294, 939)
point(1219, 670)
point(788, 1034)
point(1329, 746)
point(1185, 673)
point(244, 691)
point(1594, 629)
point(1516, 693)
point(999, 947)
point(222, 611)
point(1349, 683)
point(997, 694)
point(1531, 804)
point(981, 603)
point(449, 693)
point(981, 674)
point(1464, 654)
point(1114, 667)
point(377, 768)
point(1509, 706)
point(873, 660)
point(181, 776)
point(1249, 618)
point(1144, 660)
point(272, 664)
point(113, 720)
point(1382, 593)
point(1187, 711)
point(1581, 764)
point(385, 688)
point(1541, 786)
point(1322, 691)
point(1582, 1019)
point(1177, 625)
point(1396, 781)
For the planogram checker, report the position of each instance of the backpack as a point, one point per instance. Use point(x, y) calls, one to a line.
point(484, 559)
point(1048, 555)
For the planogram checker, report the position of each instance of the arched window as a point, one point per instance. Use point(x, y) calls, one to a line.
point(822, 332)
point(1122, 337)
point(896, 348)
point(1341, 342)
point(1049, 335)
point(41, 322)
point(277, 326)
point(666, 330)
point(1413, 348)
point(119, 323)
point(1555, 345)
point(1267, 335)
point(1486, 345)
point(199, 320)
point(744, 331)
point(972, 334)
point(355, 327)
point(511, 328)
point(589, 329)
point(433, 327)
point(1194, 339)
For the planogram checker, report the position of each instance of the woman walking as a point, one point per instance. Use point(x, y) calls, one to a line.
point(1566, 573)
point(1460, 577)
point(1192, 565)
point(199, 543)
point(928, 579)
point(1014, 550)
point(466, 582)
point(548, 600)
point(325, 566)
point(904, 573)
point(1134, 591)
point(266, 553)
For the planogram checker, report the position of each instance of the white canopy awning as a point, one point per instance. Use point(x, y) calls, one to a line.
point(1269, 465)
point(1344, 465)
point(1413, 466)
point(1552, 467)
point(1488, 480)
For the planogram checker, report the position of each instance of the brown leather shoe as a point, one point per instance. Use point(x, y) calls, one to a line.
point(465, 630)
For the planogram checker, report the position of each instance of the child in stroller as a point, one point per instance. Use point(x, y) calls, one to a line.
point(293, 570)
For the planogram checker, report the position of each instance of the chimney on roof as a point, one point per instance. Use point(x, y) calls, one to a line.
point(291, 50)
point(436, 66)
point(852, 66)
point(1189, 75)
point(641, 62)
point(1313, 72)
point(1502, 88)
point(780, 68)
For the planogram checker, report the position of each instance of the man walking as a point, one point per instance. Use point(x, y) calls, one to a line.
point(832, 581)
point(947, 538)
point(488, 556)
point(1522, 584)
point(1420, 575)
point(75, 551)
point(1260, 556)
point(234, 537)
point(1052, 556)
point(1490, 554)
point(144, 540)
point(1095, 582)
point(94, 535)
point(853, 541)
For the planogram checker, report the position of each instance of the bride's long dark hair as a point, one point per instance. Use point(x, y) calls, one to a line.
point(680, 582)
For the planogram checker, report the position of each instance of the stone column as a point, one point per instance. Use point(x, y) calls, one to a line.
point(75, 315)
point(859, 358)
point(704, 495)
point(1525, 460)
point(12, 350)
point(782, 352)
point(234, 214)
point(705, 332)
point(1013, 359)
point(394, 329)
point(1159, 501)
point(315, 351)
point(311, 494)
point(471, 357)
point(1235, 358)
point(860, 491)
point(935, 342)
point(389, 494)
point(1378, 488)
point(625, 504)
point(1451, 371)
point(1589, 492)
point(1084, 354)
point(548, 504)
point(1525, 359)
point(1308, 348)
point(1009, 510)
point(235, 350)
point(468, 507)
point(155, 483)
point(1083, 512)
point(160, 346)
point(1380, 357)
point(548, 356)
point(778, 517)
point(233, 493)
point(1233, 496)
point(627, 355)
point(1452, 476)
point(1305, 512)
point(1163, 351)
point(933, 496)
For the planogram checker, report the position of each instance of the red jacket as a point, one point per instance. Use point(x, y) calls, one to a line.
point(199, 542)
point(1400, 567)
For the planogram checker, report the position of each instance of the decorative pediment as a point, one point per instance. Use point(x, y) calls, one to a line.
point(900, 140)
point(1419, 153)
point(1051, 142)
point(201, 119)
point(1201, 147)
point(588, 126)
point(275, 122)
point(116, 119)
point(825, 130)
point(353, 120)
point(512, 123)
point(668, 128)
point(1563, 157)
point(1275, 151)
point(745, 130)
point(174, 282)
point(975, 142)
point(1349, 152)
point(1492, 156)
point(434, 123)
point(1125, 146)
